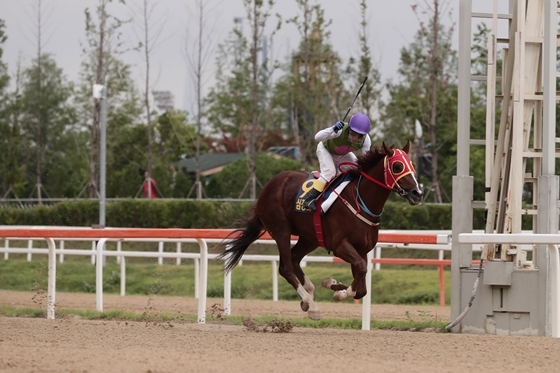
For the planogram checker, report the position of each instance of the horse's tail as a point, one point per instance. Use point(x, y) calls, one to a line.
point(235, 248)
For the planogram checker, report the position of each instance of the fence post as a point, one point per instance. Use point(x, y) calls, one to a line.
point(366, 300)
point(227, 293)
point(51, 279)
point(197, 278)
point(119, 248)
point(29, 246)
point(123, 276)
point(178, 251)
point(61, 256)
point(99, 274)
point(274, 281)
point(441, 286)
point(160, 249)
point(93, 249)
point(203, 280)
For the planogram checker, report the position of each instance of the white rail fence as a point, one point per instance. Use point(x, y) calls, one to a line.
point(99, 238)
point(61, 251)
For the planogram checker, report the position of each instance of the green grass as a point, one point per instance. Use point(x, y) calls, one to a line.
point(249, 281)
point(171, 318)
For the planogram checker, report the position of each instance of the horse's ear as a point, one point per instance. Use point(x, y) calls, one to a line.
point(387, 149)
point(406, 147)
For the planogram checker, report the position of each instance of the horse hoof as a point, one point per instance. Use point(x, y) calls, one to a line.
point(314, 315)
point(340, 295)
point(328, 282)
point(304, 306)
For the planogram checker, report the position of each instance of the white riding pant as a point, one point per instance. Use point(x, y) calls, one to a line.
point(328, 162)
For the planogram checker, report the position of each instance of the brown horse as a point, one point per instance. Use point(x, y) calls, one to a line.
point(349, 228)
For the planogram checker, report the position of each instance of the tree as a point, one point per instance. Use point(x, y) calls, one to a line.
point(231, 181)
point(177, 140)
point(39, 125)
point(313, 82)
point(197, 57)
point(364, 66)
point(257, 17)
point(427, 93)
point(238, 104)
point(101, 66)
point(148, 42)
point(227, 100)
point(11, 165)
point(127, 160)
point(46, 119)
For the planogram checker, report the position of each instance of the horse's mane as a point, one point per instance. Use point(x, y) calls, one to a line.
point(367, 161)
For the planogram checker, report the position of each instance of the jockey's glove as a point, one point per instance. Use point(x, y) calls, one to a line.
point(338, 126)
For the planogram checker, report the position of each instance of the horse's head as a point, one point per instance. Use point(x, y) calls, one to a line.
point(400, 174)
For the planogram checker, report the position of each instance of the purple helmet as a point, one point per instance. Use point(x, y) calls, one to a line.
point(359, 123)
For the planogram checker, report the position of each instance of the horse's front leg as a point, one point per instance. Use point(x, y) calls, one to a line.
point(357, 289)
point(359, 286)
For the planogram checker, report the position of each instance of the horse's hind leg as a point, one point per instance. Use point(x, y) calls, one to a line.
point(300, 283)
point(300, 250)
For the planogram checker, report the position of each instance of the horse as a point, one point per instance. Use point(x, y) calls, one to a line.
point(350, 227)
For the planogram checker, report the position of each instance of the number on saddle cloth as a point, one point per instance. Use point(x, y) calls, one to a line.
point(302, 192)
point(327, 194)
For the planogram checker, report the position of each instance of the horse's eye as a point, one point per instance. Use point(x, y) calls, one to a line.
point(398, 167)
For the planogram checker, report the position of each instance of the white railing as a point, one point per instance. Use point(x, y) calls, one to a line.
point(273, 259)
point(30, 250)
point(439, 242)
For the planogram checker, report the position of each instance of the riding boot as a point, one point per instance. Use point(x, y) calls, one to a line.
point(309, 199)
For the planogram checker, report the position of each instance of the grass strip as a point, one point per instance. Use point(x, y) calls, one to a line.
point(257, 322)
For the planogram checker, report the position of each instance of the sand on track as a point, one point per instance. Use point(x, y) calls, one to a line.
point(71, 344)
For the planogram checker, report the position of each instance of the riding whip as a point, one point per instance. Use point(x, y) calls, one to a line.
point(355, 98)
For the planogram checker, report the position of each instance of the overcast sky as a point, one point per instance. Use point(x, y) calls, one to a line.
point(392, 25)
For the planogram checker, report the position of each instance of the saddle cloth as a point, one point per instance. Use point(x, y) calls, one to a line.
point(332, 190)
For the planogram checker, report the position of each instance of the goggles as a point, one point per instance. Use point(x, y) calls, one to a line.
point(356, 134)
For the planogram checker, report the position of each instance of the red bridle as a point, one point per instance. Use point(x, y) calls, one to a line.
point(399, 156)
point(391, 178)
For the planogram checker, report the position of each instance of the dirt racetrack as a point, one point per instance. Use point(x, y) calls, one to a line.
point(71, 344)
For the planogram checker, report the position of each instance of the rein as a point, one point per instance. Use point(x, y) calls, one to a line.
point(358, 199)
point(397, 188)
point(360, 208)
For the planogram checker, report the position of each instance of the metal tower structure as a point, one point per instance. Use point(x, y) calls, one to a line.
point(520, 144)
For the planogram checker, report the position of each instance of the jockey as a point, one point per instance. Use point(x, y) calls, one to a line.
point(337, 144)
